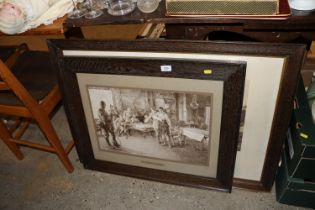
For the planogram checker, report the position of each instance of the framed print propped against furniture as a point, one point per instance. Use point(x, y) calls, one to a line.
point(157, 118)
point(272, 72)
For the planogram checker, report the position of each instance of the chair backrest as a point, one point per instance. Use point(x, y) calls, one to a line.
point(7, 78)
point(12, 56)
point(19, 77)
point(3, 85)
point(11, 83)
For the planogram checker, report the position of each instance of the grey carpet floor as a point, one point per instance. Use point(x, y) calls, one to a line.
point(39, 181)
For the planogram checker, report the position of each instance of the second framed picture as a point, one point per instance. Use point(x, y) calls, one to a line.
point(147, 75)
point(148, 115)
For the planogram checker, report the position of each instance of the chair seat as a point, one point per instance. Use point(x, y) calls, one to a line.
point(5, 52)
point(34, 71)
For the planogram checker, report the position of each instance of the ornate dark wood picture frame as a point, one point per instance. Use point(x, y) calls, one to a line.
point(94, 75)
point(272, 73)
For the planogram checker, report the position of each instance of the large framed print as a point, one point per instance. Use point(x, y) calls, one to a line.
point(272, 73)
point(159, 118)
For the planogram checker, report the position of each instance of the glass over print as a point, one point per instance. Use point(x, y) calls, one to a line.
point(159, 124)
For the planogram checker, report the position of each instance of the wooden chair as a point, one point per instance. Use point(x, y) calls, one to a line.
point(29, 92)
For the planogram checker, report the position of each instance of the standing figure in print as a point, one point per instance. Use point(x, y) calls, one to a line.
point(107, 124)
point(194, 106)
point(164, 127)
point(153, 118)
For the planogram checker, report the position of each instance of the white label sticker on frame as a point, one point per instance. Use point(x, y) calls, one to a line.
point(166, 68)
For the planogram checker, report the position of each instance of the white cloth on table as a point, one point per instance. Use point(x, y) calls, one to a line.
point(195, 133)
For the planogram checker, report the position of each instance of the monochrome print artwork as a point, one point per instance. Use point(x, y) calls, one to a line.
point(159, 124)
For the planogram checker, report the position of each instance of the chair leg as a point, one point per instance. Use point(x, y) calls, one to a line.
point(50, 133)
point(6, 136)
